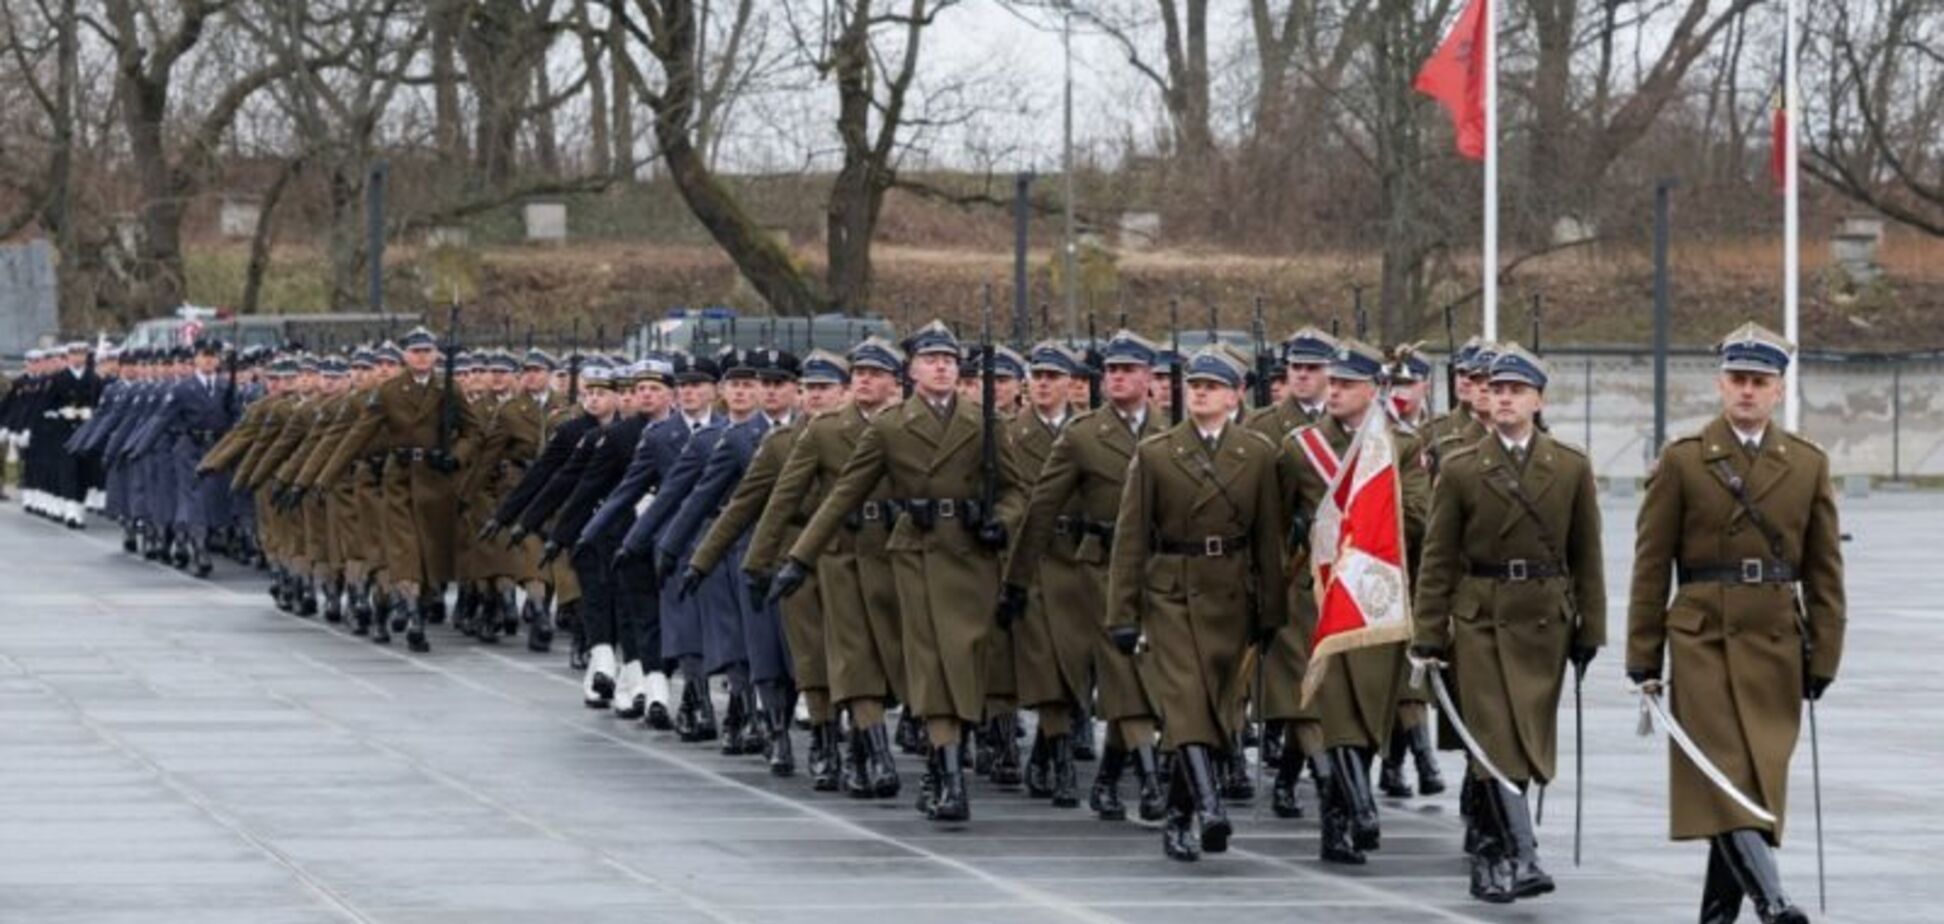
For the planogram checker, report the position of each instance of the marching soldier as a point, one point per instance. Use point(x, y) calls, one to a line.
point(998, 739)
point(1739, 522)
point(863, 636)
point(1072, 516)
point(1510, 591)
point(1357, 701)
point(1410, 381)
point(945, 549)
point(1197, 567)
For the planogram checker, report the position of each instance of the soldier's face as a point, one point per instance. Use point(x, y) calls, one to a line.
point(1077, 390)
point(936, 374)
point(420, 359)
point(1479, 394)
point(597, 401)
point(1211, 401)
point(206, 363)
point(1006, 392)
point(386, 370)
point(971, 389)
point(871, 387)
point(1159, 394)
point(1514, 406)
point(1050, 390)
point(819, 397)
point(1410, 396)
point(1463, 387)
point(695, 396)
point(533, 379)
point(1127, 383)
point(654, 397)
point(778, 396)
point(740, 395)
point(1308, 381)
point(1749, 398)
point(1349, 398)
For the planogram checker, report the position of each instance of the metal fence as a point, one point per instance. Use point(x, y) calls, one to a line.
point(1876, 414)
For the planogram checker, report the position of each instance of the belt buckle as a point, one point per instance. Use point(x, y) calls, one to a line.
point(1752, 571)
point(1212, 546)
point(947, 508)
point(872, 511)
point(1517, 570)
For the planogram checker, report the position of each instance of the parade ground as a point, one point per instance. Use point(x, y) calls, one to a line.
point(173, 749)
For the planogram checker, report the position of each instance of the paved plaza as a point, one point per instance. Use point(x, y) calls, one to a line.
point(178, 750)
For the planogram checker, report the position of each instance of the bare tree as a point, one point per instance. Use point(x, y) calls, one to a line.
point(1883, 110)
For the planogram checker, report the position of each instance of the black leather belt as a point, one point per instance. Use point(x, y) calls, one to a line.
point(872, 512)
point(1518, 569)
point(1746, 571)
point(416, 454)
point(1205, 547)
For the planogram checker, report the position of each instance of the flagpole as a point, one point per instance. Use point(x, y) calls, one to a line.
point(1490, 262)
point(1791, 221)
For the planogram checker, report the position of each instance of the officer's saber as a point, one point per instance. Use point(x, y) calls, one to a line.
point(1651, 705)
point(1418, 671)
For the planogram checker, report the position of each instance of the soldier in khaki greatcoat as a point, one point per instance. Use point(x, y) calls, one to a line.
point(1737, 612)
point(1510, 591)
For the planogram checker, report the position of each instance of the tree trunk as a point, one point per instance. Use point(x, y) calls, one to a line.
point(622, 99)
point(448, 18)
point(1554, 191)
point(600, 144)
point(265, 234)
point(546, 147)
point(345, 196)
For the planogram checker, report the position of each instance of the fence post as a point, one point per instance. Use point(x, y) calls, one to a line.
point(1896, 419)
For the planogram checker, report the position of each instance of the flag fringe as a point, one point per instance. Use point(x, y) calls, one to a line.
point(1325, 651)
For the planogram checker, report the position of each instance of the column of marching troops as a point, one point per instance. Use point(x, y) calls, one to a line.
point(840, 541)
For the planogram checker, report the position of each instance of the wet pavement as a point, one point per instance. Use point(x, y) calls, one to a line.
point(178, 750)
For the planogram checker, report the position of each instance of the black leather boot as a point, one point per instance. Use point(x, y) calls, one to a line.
point(1468, 810)
point(856, 760)
point(1430, 781)
point(1178, 839)
point(1147, 770)
point(1083, 734)
point(985, 739)
point(415, 627)
point(1105, 799)
point(1336, 845)
point(509, 599)
point(1721, 896)
point(1753, 864)
point(951, 804)
point(1211, 818)
point(685, 714)
point(128, 537)
point(782, 759)
point(486, 625)
point(1390, 779)
point(1491, 869)
point(434, 607)
point(1237, 785)
point(539, 627)
point(1285, 799)
point(929, 782)
point(824, 757)
point(306, 598)
point(398, 614)
point(881, 770)
point(1066, 781)
point(1353, 780)
point(1039, 768)
point(334, 601)
point(381, 617)
point(199, 556)
point(1274, 738)
point(360, 607)
point(1522, 846)
point(466, 610)
point(1005, 760)
point(911, 734)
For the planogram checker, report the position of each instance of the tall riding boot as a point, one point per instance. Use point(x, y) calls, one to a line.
point(1105, 798)
point(539, 626)
point(1147, 770)
point(1066, 782)
point(360, 607)
point(1468, 810)
point(381, 617)
point(1430, 782)
point(1391, 778)
point(1083, 733)
point(929, 781)
point(1039, 767)
point(987, 741)
point(1487, 850)
point(434, 606)
point(685, 713)
point(1236, 782)
point(398, 613)
point(509, 603)
point(486, 625)
point(1353, 778)
point(824, 760)
point(1274, 738)
point(1753, 864)
point(306, 597)
point(1005, 762)
point(734, 720)
point(881, 771)
point(911, 733)
point(1721, 896)
point(569, 618)
point(199, 556)
point(1178, 840)
point(782, 760)
point(415, 618)
point(761, 726)
point(1285, 799)
point(465, 615)
point(1211, 818)
point(1336, 846)
point(1522, 846)
point(951, 804)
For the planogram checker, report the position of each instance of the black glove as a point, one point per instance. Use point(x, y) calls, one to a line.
point(1582, 655)
point(517, 536)
point(1642, 675)
point(788, 579)
point(992, 535)
point(664, 565)
point(1813, 690)
point(1124, 638)
point(758, 583)
point(1012, 605)
point(549, 552)
point(692, 578)
point(489, 529)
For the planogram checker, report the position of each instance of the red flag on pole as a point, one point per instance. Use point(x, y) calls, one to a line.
point(1357, 547)
point(1455, 77)
point(1779, 133)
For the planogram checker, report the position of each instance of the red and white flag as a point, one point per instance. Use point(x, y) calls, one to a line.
point(1357, 548)
point(1456, 77)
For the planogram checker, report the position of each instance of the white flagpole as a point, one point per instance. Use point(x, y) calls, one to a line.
point(1791, 224)
point(1490, 262)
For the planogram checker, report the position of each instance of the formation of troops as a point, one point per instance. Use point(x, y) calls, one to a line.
point(890, 555)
